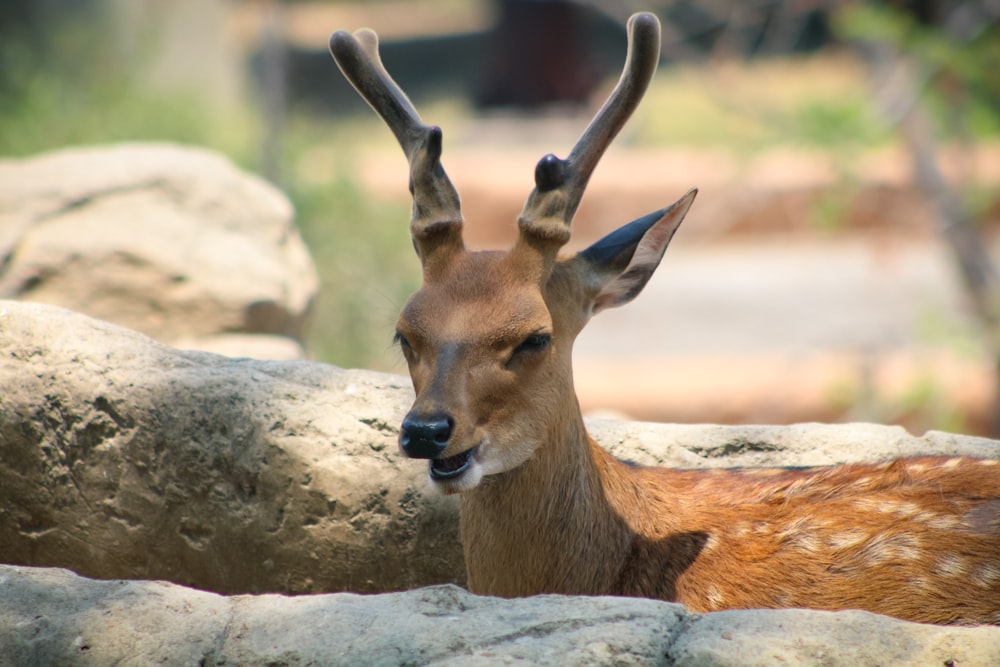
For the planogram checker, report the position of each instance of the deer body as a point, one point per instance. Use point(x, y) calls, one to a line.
point(488, 341)
point(922, 545)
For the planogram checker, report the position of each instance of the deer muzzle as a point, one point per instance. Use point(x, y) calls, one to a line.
point(425, 437)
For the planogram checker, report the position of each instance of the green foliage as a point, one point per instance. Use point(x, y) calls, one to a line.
point(961, 70)
point(832, 206)
point(367, 269)
point(936, 410)
point(73, 88)
point(833, 124)
point(812, 103)
point(46, 115)
point(359, 240)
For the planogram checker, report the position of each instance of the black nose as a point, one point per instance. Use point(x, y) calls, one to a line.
point(425, 437)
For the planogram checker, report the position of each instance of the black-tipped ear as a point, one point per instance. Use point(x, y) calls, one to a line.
point(623, 261)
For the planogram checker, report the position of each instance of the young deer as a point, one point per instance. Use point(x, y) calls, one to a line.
point(544, 509)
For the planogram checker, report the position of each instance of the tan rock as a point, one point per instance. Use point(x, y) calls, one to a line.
point(168, 240)
point(126, 458)
point(255, 346)
point(52, 617)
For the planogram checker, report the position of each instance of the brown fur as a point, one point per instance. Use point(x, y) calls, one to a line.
point(917, 539)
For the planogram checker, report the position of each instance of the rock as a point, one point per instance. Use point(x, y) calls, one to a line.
point(808, 637)
point(123, 458)
point(53, 617)
point(168, 240)
point(256, 346)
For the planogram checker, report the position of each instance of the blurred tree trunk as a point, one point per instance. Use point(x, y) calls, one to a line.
point(898, 97)
point(273, 89)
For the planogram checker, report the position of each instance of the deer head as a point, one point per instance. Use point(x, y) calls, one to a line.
point(488, 336)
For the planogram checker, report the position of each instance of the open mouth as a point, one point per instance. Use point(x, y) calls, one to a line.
point(453, 466)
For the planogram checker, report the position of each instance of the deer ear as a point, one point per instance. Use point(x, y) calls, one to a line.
point(622, 262)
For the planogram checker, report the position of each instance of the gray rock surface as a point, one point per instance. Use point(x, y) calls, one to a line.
point(125, 458)
point(256, 346)
point(169, 240)
point(53, 617)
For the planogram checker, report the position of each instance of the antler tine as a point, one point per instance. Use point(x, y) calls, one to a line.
point(559, 184)
point(436, 220)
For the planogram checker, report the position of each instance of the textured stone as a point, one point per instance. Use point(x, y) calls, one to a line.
point(807, 637)
point(255, 346)
point(169, 240)
point(52, 617)
point(126, 458)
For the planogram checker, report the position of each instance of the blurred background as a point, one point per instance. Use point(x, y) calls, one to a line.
point(836, 266)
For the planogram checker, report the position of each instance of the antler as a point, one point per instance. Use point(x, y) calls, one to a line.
point(559, 184)
point(436, 218)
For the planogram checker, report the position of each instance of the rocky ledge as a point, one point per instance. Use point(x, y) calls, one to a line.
point(53, 617)
point(124, 459)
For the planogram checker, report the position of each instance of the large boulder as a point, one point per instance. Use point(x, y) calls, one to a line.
point(169, 240)
point(52, 617)
point(123, 458)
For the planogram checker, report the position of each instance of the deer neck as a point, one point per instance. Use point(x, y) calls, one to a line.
point(537, 528)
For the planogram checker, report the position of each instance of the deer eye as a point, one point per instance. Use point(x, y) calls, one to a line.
point(534, 344)
point(404, 345)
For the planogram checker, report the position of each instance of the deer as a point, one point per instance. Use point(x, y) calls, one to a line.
point(543, 508)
